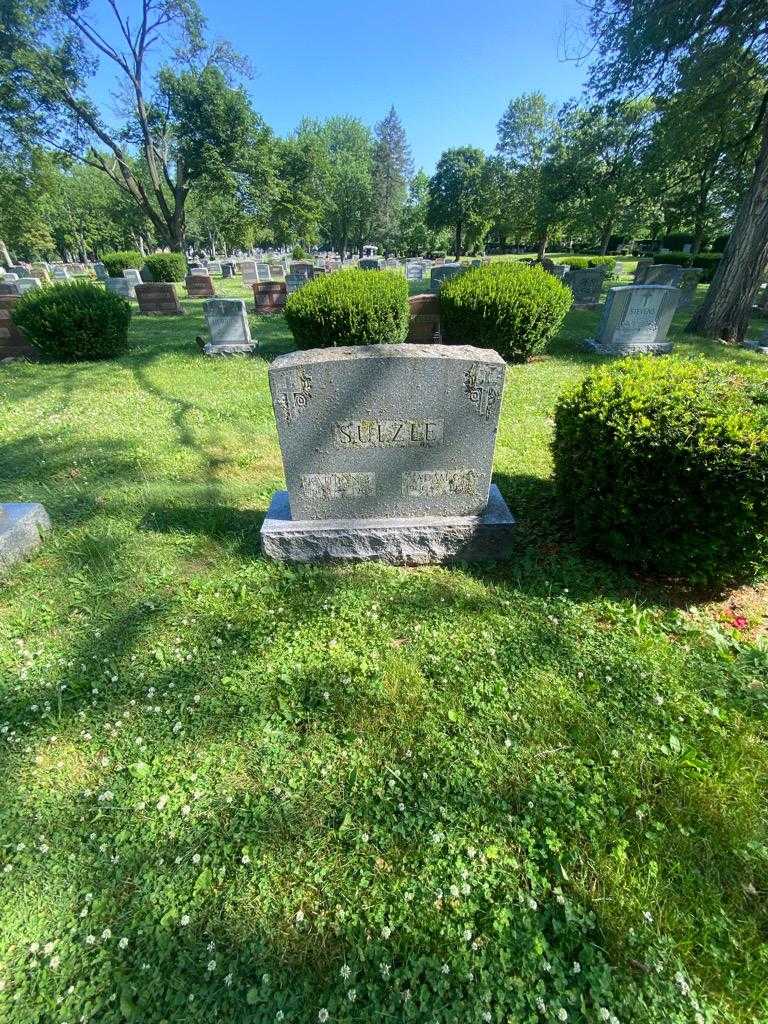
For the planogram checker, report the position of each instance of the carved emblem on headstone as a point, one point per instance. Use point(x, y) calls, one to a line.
point(297, 398)
point(482, 385)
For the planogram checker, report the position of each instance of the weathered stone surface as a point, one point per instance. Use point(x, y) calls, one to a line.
point(440, 274)
point(101, 271)
point(668, 274)
point(21, 525)
point(227, 323)
point(13, 342)
point(158, 298)
point(688, 283)
point(60, 274)
point(9, 288)
point(414, 271)
point(214, 266)
point(387, 430)
point(227, 269)
point(586, 284)
point(370, 263)
point(636, 319)
point(417, 541)
point(424, 320)
point(132, 275)
point(28, 284)
point(120, 286)
point(199, 286)
point(641, 269)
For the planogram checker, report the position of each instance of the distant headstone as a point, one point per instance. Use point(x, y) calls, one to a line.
point(668, 274)
point(214, 266)
point(424, 320)
point(293, 282)
point(688, 283)
point(277, 271)
point(59, 273)
point(249, 272)
point(120, 286)
point(442, 273)
point(558, 270)
point(227, 269)
point(199, 272)
point(132, 275)
point(21, 529)
point(9, 288)
point(227, 323)
point(641, 269)
point(301, 268)
point(414, 271)
point(387, 451)
point(19, 270)
point(199, 286)
point(10, 278)
point(159, 299)
point(101, 271)
point(28, 284)
point(41, 273)
point(636, 319)
point(370, 263)
point(264, 272)
point(269, 296)
point(586, 284)
point(13, 342)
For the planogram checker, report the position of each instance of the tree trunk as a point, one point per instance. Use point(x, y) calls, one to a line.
point(542, 246)
point(606, 241)
point(5, 258)
point(726, 309)
point(458, 241)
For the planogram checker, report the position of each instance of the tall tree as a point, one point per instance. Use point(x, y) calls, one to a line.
point(392, 168)
point(302, 179)
point(350, 182)
point(49, 51)
point(458, 195)
point(645, 43)
point(414, 236)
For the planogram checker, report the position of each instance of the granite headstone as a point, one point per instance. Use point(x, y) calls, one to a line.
point(227, 323)
point(636, 319)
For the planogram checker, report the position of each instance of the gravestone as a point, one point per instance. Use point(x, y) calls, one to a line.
point(21, 527)
point(641, 269)
point(227, 323)
point(293, 282)
point(60, 274)
point(635, 320)
point(264, 272)
point(277, 271)
point(664, 273)
point(300, 268)
point(9, 287)
point(10, 278)
point(199, 272)
point(441, 274)
point(120, 286)
point(249, 272)
point(269, 296)
point(28, 284)
point(228, 269)
point(214, 266)
point(414, 272)
point(158, 299)
point(199, 286)
point(14, 344)
point(101, 271)
point(134, 276)
point(370, 263)
point(387, 451)
point(424, 320)
point(688, 283)
point(558, 270)
point(586, 284)
point(41, 273)
point(18, 270)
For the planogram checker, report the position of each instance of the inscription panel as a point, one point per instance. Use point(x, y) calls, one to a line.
point(388, 433)
point(339, 485)
point(436, 483)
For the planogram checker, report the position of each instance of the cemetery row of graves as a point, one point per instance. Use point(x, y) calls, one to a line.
point(390, 643)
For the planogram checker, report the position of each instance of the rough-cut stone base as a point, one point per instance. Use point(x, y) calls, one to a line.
point(396, 541)
point(757, 346)
point(229, 349)
point(660, 348)
point(20, 529)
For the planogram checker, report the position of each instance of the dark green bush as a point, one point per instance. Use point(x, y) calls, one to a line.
point(708, 261)
point(349, 307)
point(299, 253)
point(505, 306)
point(664, 464)
point(117, 262)
point(166, 266)
point(72, 322)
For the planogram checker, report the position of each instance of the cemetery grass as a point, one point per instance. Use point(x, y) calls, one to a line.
point(239, 791)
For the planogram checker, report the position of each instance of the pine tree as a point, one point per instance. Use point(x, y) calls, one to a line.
point(392, 169)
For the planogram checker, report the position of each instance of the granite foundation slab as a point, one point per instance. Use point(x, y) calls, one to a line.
point(229, 348)
point(415, 541)
point(21, 526)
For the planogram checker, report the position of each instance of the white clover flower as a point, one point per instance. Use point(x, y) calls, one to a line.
point(386, 932)
point(445, 969)
point(246, 859)
point(322, 1015)
point(106, 934)
point(228, 980)
point(647, 917)
point(195, 858)
point(211, 965)
point(352, 995)
point(576, 967)
point(123, 943)
point(454, 891)
point(385, 969)
point(162, 802)
point(604, 1014)
point(532, 903)
point(279, 1015)
point(184, 920)
point(345, 972)
point(54, 962)
point(299, 916)
point(562, 1014)
point(185, 810)
point(466, 889)
point(541, 1006)
point(467, 935)
point(90, 939)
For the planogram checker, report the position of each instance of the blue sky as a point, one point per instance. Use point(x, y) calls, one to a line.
point(449, 67)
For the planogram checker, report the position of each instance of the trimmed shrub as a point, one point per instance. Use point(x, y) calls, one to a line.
point(663, 464)
point(166, 266)
point(299, 253)
point(75, 321)
point(585, 262)
point(349, 307)
point(505, 306)
point(117, 262)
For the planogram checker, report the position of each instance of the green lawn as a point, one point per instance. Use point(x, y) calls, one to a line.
point(237, 791)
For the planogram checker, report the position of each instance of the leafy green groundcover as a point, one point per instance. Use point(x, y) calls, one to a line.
point(232, 791)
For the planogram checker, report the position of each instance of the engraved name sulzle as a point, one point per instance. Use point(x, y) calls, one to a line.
point(387, 433)
point(482, 385)
point(339, 485)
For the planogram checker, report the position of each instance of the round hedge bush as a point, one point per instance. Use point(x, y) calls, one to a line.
point(663, 464)
point(117, 262)
point(349, 307)
point(505, 306)
point(72, 322)
point(166, 266)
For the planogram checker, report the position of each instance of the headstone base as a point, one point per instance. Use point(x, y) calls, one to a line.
point(428, 539)
point(20, 527)
point(231, 348)
point(659, 348)
point(756, 346)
